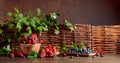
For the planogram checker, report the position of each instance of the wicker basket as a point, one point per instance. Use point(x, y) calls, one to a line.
point(27, 48)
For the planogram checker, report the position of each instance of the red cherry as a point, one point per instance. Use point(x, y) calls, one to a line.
point(12, 55)
point(102, 52)
point(51, 51)
point(47, 49)
point(25, 37)
point(33, 37)
point(20, 54)
point(64, 54)
point(19, 41)
point(54, 50)
point(50, 55)
point(49, 46)
point(33, 42)
point(43, 54)
point(29, 41)
point(40, 41)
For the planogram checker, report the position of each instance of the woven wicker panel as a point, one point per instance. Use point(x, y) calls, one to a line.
point(82, 34)
point(112, 37)
point(98, 36)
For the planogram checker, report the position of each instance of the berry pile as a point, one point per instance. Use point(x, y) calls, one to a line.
point(81, 51)
point(30, 40)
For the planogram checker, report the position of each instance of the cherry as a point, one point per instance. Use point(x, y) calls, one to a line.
point(40, 41)
point(12, 55)
point(25, 37)
point(20, 54)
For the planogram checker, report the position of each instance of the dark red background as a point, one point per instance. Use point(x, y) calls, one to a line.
point(97, 12)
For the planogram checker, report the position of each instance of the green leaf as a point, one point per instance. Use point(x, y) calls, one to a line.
point(16, 9)
point(11, 25)
point(32, 54)
point(7, 48)
point(33, 23)
point(1, 31)
point(54, 15)
point(69, 25)
point(25, 34)
point(38, 12)
point(56, 31)
point(36, 20)
point(64, 47)
point(19, 26)
point(72, 45)
point(56, 27)
point(27, 23)
point(29, 30)
point(45, 28)
point(40, 28)
point(9, 14)
point(81, 45)
point(20, 16)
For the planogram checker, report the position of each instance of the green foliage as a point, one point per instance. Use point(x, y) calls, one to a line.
point(21, 24)
point(81, 45)
point(5, 50)
point(1, 31)
point(64, 48)
point(34, 23)
point(33, 54)
point(69, 25)
point(6, 38)
point(74, 46)
point(11, 25)
point(1, 28)
point(38, 12)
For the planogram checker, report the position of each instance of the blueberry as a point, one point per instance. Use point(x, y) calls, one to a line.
point(71, 57)
point(93, 56)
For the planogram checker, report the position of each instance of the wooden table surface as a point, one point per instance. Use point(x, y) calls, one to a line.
point(108, 58)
